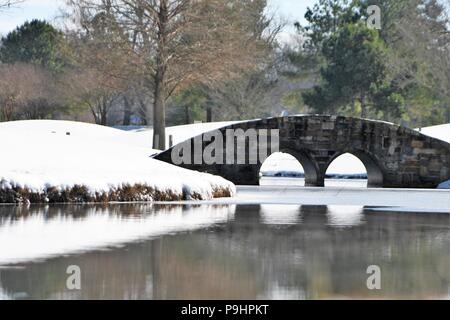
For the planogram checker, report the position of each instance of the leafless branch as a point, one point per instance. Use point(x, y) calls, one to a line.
point(6, 4)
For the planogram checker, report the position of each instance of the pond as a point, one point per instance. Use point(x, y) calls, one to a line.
point(228, 251)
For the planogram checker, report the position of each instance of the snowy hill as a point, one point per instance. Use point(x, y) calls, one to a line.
point(144, 137)
point(441, 132)
point(43, 157)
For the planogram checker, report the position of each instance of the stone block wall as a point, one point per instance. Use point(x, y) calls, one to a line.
point(394, 156)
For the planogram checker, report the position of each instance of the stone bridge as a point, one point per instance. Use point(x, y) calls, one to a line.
point(394, 156)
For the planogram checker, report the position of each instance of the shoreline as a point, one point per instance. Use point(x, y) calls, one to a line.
point(395, 200)
point(399, 200)
point(79, 194)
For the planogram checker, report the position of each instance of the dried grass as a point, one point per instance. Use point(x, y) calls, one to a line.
point(81, 194)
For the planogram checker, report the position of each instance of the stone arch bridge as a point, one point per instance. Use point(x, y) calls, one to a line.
point(394, 156)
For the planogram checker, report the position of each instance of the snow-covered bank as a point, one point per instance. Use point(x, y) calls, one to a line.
point(63, 161)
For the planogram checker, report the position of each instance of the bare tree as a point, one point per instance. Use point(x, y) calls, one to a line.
point(87, 88)
point(421, 38)
point(242, 98)
point(5, 4)
point(183, 42)
point(26, 92)
point(95, 78)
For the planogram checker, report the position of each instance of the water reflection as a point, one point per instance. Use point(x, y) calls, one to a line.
point(300, 182)
point(217, 252)
point(278, 215)
point(42, 232)
point(345, 216)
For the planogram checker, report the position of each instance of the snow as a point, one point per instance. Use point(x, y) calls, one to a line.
point(144, 137)
point(444, 185)
point(383, 199)
point(38, 154)
point(281, 163)
point(441, 132)
point(346, 164)
point(286, 164)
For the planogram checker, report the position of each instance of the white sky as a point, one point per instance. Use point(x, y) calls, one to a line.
point(291, 10)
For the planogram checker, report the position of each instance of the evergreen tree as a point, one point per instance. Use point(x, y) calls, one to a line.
point(35, 42)
point(356, 74)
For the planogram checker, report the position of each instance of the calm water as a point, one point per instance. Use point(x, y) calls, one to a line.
point(221, 252)
point(300, 182)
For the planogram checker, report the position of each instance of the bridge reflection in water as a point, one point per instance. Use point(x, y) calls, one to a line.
point(237, 252)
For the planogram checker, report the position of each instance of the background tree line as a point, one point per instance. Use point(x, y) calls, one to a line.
point(398, 73)
point(170, 62)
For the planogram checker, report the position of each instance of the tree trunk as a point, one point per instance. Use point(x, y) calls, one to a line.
point(145, 113)
point(159, 105)
point(187, 114)
point(159, 113)
point(103, 118)
point(209, 114)
point(104, 111)
point(94, 112)
point(8, 110)
point(127, 111)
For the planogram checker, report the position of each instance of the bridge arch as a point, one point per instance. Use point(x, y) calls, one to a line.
point(394, 156)
point(374, 174)
point(309, 168)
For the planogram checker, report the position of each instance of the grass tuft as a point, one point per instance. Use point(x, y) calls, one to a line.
point(82, 194)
